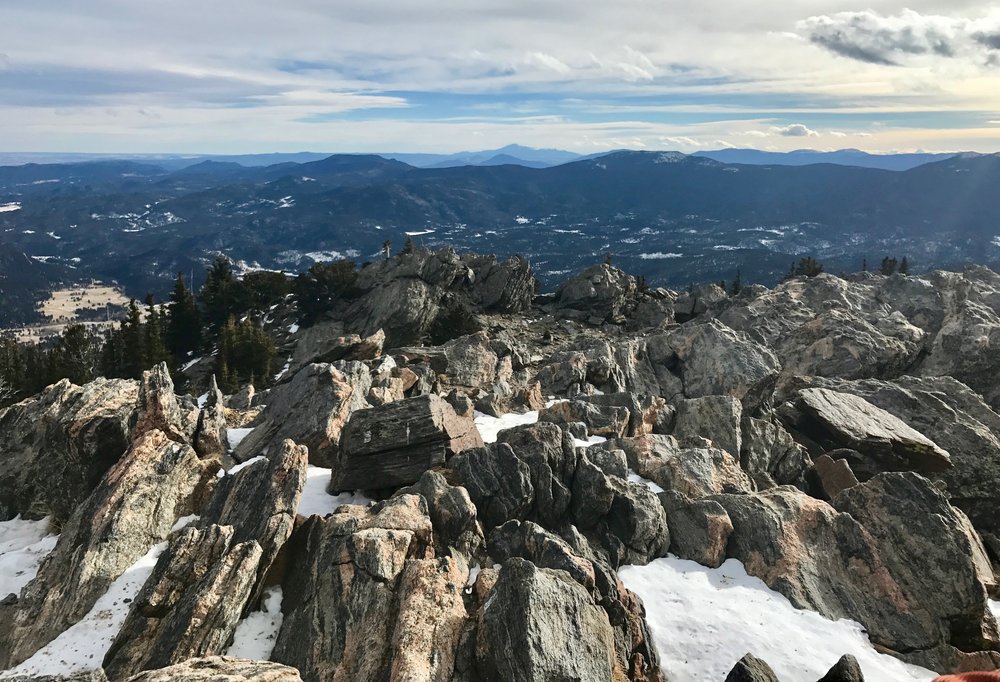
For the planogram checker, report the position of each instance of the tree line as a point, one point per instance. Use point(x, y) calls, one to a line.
point(223, 319)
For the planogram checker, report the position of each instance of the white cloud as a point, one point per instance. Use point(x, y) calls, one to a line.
point(794, 130)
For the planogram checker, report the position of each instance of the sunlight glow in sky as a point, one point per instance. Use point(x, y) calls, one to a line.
point(231, 76)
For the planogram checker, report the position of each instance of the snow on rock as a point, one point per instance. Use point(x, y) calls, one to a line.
point(188, 365)
point(489, 426)
point(184, 521)
point(203, 399)
point(255, 635)
point(242, 465)
point(84, 645)
point(636, 478)
point(591, 440)
point(23, 545)
point(315, 499)
point(995, 607)
point(292, 328)
point(236, 436)
point(284, 369)
point(704, 620)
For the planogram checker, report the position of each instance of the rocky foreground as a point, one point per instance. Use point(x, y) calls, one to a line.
point(837, 437)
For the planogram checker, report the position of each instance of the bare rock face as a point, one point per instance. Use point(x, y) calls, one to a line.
point(714, 417)
point(703, 359)
point(832, 476)
point(311, 410)
point(693, 471)
point(847, 669)
point(610, 421)
point(699, 529)
point(770, 455)
point(190, 605)
point(219, 668)
point(133, 508)
point(392, 445)
point(853, 422)
point(601, 293)
point(56, 446)
point(453, 515)
point(538, 624)
point(345, 623)
point(325, 342)
point(498, 482)
point(930, 552)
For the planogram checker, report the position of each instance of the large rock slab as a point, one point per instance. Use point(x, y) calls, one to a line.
point(311, 410)
point(393, 444)
point(56, 446)
point(855, 423)
point(539, 624)
point(132, 509)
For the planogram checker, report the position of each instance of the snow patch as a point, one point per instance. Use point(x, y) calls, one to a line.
point(184, 522)
point(521, 220)
point(489, 426)
point(83, 646)
point(660, 255)
point(255, 635)
point(10, 208)
point(243, 465)
point(652, 485)
point(420, 233)
point(236, 436)
point(315, 499)
point(995, 608)
point(292, 328)
point(188, 365)
point(23, 545)
point(704, 620)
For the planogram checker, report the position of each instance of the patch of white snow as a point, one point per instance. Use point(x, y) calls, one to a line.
point(255, 635)
point(236, 436)
point(315, 499)
point(23, 545)
point(704, 620)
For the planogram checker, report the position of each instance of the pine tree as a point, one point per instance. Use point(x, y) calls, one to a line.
point(904, 266)
point(220, 292)
point(888, 266)
point(864, 265)
point(737, 286)
point(183, 332)
point(156, 349)
point(134, 342)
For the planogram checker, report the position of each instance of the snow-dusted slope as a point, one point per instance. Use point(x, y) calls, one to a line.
point(23, 545)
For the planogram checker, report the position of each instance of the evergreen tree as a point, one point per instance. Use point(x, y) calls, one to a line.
point(864, 265)
point(888, 266)
point(737, 286)
point(806, 267)
point(134, 343)
point(904, 266)
point(220, 293)
point(182, 332)
point(408, 247)
point(156, 349)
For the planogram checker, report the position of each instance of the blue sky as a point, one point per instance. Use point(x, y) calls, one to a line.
point(393, 75)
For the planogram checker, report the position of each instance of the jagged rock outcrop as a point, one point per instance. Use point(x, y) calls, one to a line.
point(132, 509)
point(392, 445)
point(210, 430)
point(345, 624)
point(406, 296)
point(770, 455)
point(311, 410)
point(600, 293)
point(159, 408)
point(56, 446)
point(190, 605)
point(847, 669)
point(611, 421)
point(325, 342)
point(219, 668)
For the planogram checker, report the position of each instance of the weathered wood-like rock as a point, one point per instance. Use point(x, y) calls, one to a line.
point(394, 444)
point(539, 624)
point(132, 509)
point(854, 422)
point(311, 410)
point(220, 669)
point(56, 446)
point(602, 420)
point(190, 605)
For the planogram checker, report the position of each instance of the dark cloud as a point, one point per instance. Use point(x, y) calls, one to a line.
point(876, 39)
point(990, 40)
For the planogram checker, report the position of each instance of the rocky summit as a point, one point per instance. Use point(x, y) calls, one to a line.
point(459, 479)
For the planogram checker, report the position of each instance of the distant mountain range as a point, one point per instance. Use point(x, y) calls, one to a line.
point(513, 154)
point(674, 218)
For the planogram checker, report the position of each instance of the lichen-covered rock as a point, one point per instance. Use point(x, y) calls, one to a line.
point(716, 418)
point(394, 444)
point(133, 508)
point(770, 455)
